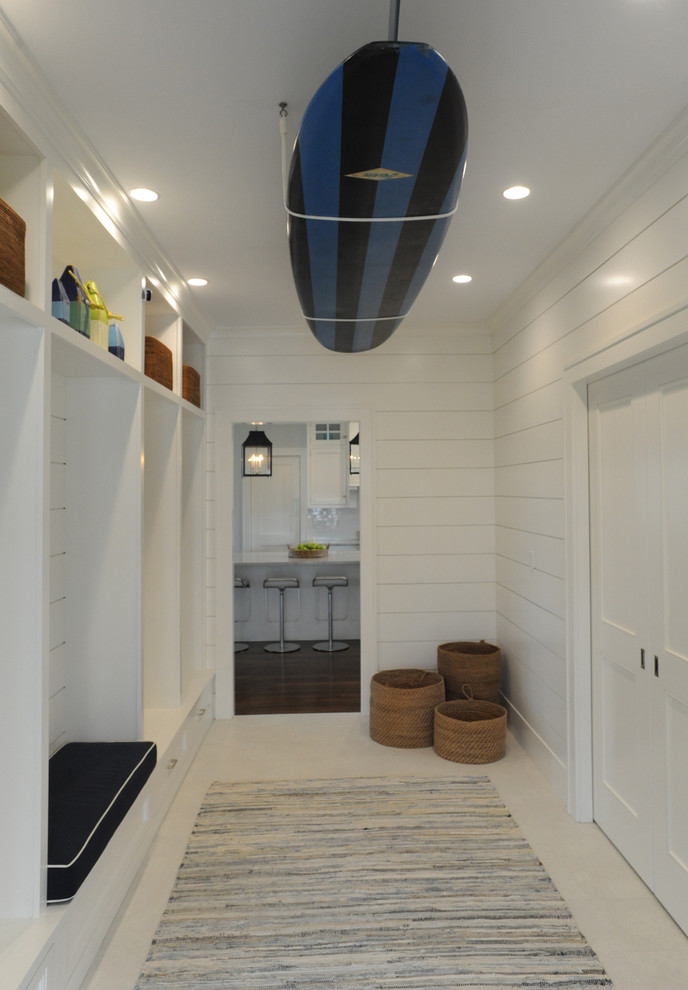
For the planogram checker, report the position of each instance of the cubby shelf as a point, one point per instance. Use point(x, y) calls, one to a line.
point(103, 535)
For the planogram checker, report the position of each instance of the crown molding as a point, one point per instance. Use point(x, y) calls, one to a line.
point(57, 136)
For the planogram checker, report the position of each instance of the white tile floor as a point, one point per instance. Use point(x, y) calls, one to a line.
point(637, 942)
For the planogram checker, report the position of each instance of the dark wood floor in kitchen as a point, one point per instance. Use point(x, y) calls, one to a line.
point(303, 682)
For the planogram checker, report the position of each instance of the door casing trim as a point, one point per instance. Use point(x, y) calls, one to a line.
point(224, 461)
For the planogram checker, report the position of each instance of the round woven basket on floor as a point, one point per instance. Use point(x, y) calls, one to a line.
point(470, 731)
point(402, 707)
point(477, 664)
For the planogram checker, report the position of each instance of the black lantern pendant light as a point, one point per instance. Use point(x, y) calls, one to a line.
point(354, 456)
point(256, 455)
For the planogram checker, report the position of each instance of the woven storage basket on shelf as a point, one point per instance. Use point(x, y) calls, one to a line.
point(470, 731)
point(191, 385)
point(402, 707)
point(158, 362)
point(12, 237)
point(477, 664)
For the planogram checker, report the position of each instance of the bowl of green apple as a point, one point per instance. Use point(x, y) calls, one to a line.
point(307, 550)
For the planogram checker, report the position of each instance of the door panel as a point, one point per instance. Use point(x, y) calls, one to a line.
point(669, 507)
point(676, 738)
point(671, 788)
point(621, 743)
point(672, 508)
point(621, 730)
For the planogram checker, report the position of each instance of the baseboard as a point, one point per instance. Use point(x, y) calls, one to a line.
point(545, 759)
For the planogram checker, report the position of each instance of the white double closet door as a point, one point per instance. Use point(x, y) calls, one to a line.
point(639, 553)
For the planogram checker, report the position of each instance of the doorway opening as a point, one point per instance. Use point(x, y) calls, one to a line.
point(311, 497)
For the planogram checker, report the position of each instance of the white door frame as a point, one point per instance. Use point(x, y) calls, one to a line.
point(664, 332)
point(224, 464)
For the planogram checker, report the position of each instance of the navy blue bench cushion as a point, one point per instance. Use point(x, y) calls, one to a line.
point(91, 787)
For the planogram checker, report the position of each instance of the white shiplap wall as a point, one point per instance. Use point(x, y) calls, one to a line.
point(429, 399)
point(621, 270)
point(469, 469)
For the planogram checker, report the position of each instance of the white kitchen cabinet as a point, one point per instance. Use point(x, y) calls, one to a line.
point(102, 531)
point(328, 465)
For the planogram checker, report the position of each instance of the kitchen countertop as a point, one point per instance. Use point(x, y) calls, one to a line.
point(343, 555)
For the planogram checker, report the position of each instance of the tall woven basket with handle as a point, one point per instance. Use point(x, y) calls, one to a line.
point(402, 705)
point(476, 664)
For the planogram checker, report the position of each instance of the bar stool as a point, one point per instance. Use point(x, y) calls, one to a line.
point(240, 583)
point(281, 583)
point(329, 581)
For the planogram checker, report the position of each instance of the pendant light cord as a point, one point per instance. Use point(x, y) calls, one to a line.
point(393, 33)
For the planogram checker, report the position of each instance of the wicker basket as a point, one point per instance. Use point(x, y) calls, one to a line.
point(402, 706)
point(470, 731)
point(477, 664)
point(158, 362)
point(308, 554)
point(12, 237)
point(191, 385)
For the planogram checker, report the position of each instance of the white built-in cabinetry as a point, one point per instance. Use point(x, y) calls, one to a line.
point(328, 465)
point(102, 570)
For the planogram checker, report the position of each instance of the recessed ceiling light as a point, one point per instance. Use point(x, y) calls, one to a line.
point(197, 281)
point(143, 195)
point(516, 192)
point(461, 279)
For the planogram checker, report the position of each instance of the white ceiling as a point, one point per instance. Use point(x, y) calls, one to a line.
point(562, 95)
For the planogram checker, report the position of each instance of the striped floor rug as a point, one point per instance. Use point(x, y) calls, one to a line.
point(403, 883)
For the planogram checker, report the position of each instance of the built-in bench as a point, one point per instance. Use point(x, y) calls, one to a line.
point(91, 787)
